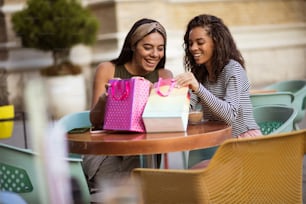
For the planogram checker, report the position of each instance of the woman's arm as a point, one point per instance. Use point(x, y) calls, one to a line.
point(104, 72)
point(226, 109)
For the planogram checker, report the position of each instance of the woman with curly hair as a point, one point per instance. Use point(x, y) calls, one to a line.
point(217, 78)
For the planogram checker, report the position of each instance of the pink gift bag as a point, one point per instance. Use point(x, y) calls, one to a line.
point(125, 104)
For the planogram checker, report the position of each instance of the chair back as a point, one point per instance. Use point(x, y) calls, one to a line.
point(273, 98)
point(298, 88)
point(251, 170)
point(274, 118)
point(263, 170)
point(270, 118)
point(18, 174)
point(75, 120)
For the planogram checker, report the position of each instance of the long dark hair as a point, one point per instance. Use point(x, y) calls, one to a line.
point(225, 47)
point(126, 53)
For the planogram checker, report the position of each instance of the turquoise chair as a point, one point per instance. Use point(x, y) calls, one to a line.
point(273, 98)
point(19, 175)
point(72, 121)
point(195, 156)
point(75, 120)
point(274, 119)
point(270, 118)
point(298, 89)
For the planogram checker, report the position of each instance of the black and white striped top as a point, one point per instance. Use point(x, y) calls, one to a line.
point(228, 99)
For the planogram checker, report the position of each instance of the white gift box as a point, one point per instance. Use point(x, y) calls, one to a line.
point(167, 108)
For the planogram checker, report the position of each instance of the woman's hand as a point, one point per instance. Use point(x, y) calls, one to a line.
point(187, 79)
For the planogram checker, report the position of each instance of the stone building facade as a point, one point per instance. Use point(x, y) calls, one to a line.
point(271, 35)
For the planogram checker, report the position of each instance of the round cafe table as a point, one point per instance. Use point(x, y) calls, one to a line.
point(207, 134)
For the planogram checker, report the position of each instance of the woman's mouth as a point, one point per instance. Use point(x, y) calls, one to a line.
point(151, 63)
point(196, 56)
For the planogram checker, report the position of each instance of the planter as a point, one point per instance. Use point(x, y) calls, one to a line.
point(67, 94)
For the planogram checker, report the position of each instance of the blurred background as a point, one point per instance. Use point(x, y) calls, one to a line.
point(271, 35)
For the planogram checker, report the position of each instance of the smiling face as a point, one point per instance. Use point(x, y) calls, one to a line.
point(148, 52)
point(201, 46)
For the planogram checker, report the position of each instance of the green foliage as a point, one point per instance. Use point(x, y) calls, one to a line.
point(56, 26)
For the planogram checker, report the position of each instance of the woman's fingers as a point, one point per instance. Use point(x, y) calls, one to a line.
point(184, 79)
point(187, 79)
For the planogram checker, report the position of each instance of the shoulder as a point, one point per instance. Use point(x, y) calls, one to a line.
point(106, 69)
point(233, 65)
point(233, 68)
point(165, 73)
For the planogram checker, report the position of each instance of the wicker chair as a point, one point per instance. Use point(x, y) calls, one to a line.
point(270, 118)
point(258, 170)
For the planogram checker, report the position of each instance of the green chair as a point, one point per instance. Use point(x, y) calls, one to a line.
point(298, 88)
point(18, 174)
point(274, 98)
point(75, 120)
point(195, 156)
point(275, 118)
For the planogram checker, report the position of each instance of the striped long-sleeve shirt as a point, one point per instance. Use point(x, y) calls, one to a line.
point(228, 99)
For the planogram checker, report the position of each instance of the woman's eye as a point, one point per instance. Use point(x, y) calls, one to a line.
point(161, 48)
point(200, 42)
point(147, 47)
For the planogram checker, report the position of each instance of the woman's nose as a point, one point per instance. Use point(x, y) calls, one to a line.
point(154, 53)
point(193, 47)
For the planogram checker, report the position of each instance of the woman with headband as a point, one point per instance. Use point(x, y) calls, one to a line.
point(143, 54)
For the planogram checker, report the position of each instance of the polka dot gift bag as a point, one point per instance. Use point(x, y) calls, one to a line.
point(125, 104)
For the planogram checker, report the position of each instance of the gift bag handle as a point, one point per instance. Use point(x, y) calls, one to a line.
point(124, 90)
point(172, 84)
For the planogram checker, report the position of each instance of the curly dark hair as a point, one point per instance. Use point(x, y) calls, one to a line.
point(225, 47)
point(126, 53)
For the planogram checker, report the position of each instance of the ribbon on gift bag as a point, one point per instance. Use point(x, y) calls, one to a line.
point(162, 82)
point(120, 90)
point(167, 108)
point(125, 104)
